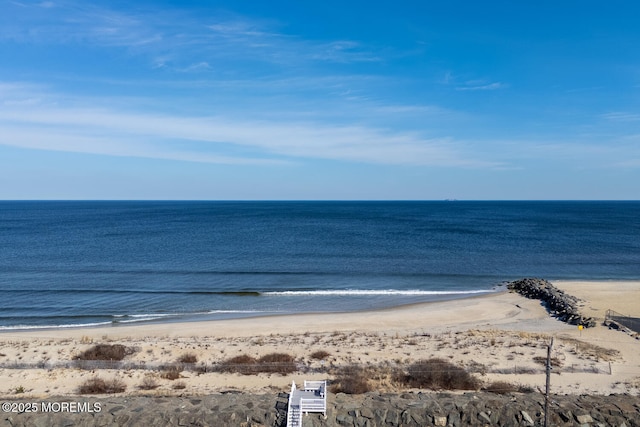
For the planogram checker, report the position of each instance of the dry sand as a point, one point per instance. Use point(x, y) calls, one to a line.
point(496, 336)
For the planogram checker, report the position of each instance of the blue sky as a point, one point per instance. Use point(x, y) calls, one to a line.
point(319, 100)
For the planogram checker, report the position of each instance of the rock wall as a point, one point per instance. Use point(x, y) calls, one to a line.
point(559, 304)
point(368, 410)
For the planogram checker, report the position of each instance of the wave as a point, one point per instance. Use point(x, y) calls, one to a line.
point(255, 293)
point(128, 318)
point(70, 325)
point(233, 312)
point(30, 269)
point(132, 291)
point(122, 319)
point(134, 318)
point(372, 292)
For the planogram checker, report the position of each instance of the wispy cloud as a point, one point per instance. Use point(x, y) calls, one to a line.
point(459, 83)
point(224, 138)
point(32, 117)
point(343, 51)
point(75, 141)
point(176, 37)
point(622, 116)
point(112, 133)
point(240, 29)
point(199, 67)
point(578, 154)
point(482, 86)
point(412, 109)
point(64, 22)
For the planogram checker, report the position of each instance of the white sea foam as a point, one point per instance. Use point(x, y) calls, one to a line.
point(231, 312)
point(372, 292)
point(134, 318)
point(126, 318)
point(146, 315)
point(74, 325)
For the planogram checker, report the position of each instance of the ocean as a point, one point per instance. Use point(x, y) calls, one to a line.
point(89, 263)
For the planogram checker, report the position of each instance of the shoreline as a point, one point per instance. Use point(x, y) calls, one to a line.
point(320, 320)
point(187, 318)
point(191, 318)
point(501, 331)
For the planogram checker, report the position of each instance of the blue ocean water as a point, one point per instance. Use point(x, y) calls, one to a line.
point(88, 263)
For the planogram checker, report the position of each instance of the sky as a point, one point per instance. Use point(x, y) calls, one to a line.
point(331, 100)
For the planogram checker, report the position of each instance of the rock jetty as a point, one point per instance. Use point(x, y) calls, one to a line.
point(411, 409)
point(558, 303)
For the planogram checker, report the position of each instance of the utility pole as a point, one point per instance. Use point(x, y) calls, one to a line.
point(546, 394)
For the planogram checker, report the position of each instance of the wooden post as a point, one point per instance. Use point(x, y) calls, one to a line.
point(546, 394)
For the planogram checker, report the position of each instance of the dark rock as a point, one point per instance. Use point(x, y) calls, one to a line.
point(367, 413)
point(392, 419)
point(454, 418)
point(584, 419)
point(344, 420)
point(418, 418)
point(526, 417)
point(380, 414)
point(440, 420)
point(562, 306)
point(483, 416)
point(116, 409)
point(369, 410)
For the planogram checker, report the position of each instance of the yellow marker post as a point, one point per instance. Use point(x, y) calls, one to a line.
point(580, 329)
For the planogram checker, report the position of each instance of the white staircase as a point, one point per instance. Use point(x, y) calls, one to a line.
point(294, 414)
point(294, 417)
point(312, 398)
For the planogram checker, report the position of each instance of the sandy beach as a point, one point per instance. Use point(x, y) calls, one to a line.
point(498, 337)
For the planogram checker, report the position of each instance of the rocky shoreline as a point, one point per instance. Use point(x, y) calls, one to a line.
point(367, 410)
point(558, 303)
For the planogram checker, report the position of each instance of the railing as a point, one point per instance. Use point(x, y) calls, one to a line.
point(313, 405)
point(592, 368)
point(315, 386)
point(312, 398)
point(632, 323)
point(294, 417)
